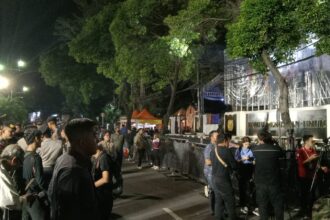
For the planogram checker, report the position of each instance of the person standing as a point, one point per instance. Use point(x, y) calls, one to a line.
point(34, 178)
point(223, 163)
point(140, 143)
point(6, 138)
point(208, 167)
point(155, 151)
point(52, 125)
point(307, 165)
point(118, 143)
point(10, 200)
point(72, 190)
point(268, 176)
point(49, 151)
point(102, 172)
point(244, 157)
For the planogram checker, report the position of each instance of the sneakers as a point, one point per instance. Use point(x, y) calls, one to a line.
point(139, 167)
point(244, 210)
point(256, 212)
point(155, 167)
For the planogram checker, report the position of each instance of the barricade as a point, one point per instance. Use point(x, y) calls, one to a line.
point(184, 157)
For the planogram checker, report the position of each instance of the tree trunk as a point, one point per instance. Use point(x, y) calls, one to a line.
point(125, 102)
point(173, 85)
point(284, 91)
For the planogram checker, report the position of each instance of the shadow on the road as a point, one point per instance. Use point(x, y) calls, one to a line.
point(129, 171)
point(137, 196)
point(115, 216)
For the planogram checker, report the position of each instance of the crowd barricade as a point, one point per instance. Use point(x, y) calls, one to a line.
point(183, 157)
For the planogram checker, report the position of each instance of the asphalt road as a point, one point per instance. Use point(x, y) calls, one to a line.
point(150, 194)
point(156, 195)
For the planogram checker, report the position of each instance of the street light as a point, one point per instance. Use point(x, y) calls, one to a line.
point(4, 82)
point(21, 63)
point(25, 89)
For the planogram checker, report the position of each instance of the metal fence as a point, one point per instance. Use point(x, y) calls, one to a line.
point(183, 157)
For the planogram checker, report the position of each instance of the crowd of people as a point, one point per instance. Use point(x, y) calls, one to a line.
point(72, 171)
point(256, 167)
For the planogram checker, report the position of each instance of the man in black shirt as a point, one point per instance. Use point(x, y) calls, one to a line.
point(33, 177)
point(103, 168)
point(72, 190)
point(223, 163)
point(267, 176)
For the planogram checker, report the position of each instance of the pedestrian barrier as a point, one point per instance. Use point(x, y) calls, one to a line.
point(184, 157)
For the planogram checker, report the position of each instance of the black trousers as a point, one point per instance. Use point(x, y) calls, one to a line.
point(155, 157)
point(141, 153)
point(270, 194)
point(307, 196)
point(224, 198)
point(245, 185)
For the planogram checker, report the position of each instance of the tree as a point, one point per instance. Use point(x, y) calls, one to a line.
point(13, 110)
point(112, 114)
point(268, 33)
point(79, 83)
point(314, 19)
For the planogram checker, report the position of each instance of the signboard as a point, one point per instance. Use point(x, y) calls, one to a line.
point(230, 124)
point(312, 122)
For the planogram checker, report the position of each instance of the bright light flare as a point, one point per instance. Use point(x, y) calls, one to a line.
point(2, 67)
point(4, 82)
point(25, 89)
point(21, 63)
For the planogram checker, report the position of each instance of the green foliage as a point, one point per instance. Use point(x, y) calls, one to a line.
point(202, 21)
point(269, 25)
point(14, 108)
point(112, 113)
point(314, 18)
point(78, 82)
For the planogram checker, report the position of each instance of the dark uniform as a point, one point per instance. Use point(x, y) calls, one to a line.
point(72, 190)
point(222, 185)
point(33, 177)
point(268, 179)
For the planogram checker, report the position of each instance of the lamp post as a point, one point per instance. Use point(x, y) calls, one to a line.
point(5, 82)
point(102, 116)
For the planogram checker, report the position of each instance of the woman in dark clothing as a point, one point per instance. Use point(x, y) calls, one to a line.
point(103, 175)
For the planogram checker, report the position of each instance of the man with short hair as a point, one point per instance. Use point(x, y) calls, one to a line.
point(34, 177)
point(307, 161)
point(71, 190)
point(267, 176)
point(6, 137)
point(118, 143)
point(52, 125)
point(223, 163)
point(49, 151)
point(10, 200)
point(208, 166)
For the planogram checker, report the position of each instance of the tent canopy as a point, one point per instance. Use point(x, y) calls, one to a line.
point(146, 117)
point(135, 114)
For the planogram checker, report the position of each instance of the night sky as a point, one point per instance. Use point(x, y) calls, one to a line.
point(27, 28)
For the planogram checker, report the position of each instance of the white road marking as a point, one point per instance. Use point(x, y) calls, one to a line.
point(171, 213)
